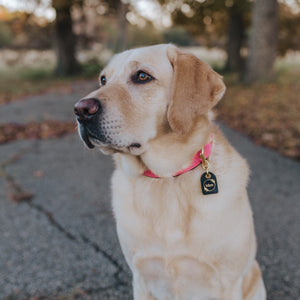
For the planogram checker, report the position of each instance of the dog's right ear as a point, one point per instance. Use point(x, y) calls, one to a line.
point(196, 88)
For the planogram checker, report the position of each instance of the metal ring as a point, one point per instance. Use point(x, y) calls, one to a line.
point(207, 175)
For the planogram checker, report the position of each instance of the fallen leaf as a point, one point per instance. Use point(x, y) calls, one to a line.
point(38, 173)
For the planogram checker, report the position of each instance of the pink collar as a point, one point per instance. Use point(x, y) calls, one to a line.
point(197, 160)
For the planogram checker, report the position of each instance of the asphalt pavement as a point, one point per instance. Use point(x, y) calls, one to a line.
point(62, 244)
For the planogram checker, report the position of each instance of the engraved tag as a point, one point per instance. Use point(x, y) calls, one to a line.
point(209, 183)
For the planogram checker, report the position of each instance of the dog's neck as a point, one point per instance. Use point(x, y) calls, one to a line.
point(167, 154)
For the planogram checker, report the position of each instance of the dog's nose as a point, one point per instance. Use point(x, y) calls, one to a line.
point(86, 108)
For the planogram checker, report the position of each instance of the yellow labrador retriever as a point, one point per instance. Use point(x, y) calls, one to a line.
point(179, 189)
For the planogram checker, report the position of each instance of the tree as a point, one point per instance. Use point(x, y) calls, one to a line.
point(237, 13)
point(288, 28)
point(221, 23)
point(65, 40)
point(119, 8)
point(122, 26)
point(263, 41)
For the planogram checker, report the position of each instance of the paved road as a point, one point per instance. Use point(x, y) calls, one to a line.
point(63, 244)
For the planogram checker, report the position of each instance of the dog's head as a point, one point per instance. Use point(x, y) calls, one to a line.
point(145, 93)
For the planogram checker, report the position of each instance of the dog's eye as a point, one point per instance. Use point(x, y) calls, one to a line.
point(103, 80)
point(141, 77)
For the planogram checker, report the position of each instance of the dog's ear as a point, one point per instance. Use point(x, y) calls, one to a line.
point(196, 88)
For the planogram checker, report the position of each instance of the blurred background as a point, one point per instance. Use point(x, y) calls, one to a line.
point(57, 231)
point(255, 45)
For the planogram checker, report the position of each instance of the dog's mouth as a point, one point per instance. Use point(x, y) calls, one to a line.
point(85, 136)
point(92, 140)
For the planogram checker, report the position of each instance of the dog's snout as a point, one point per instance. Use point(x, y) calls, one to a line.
point(86, 108)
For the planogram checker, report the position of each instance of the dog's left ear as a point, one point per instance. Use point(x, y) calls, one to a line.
point(196, 88)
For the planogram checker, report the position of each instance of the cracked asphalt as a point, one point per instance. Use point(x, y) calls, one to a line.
point(63, 245)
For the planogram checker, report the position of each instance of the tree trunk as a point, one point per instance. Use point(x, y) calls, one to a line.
point(64, 39)
point(263, 41)
point(121, 42)
point(235, 35)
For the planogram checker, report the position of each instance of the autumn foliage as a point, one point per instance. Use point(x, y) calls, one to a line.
point(45, 130)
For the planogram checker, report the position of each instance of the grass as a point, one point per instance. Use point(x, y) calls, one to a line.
point(18, 82)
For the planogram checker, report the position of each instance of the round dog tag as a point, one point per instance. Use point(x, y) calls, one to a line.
point(209, 183)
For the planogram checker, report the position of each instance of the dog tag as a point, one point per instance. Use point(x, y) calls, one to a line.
point(209, 183)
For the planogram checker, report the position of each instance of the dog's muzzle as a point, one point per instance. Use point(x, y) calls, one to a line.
point(95, 130)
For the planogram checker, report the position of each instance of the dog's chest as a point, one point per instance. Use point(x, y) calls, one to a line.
point(152, 208)
point(159, 217)
point(158, 232)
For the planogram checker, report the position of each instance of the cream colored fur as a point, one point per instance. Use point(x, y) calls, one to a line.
point(178, 243)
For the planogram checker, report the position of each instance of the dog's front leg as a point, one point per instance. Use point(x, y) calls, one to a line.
point(234, 291)
point(140, 291)
point(250, 287)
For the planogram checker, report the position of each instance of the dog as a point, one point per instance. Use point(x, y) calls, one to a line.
point(179, 188)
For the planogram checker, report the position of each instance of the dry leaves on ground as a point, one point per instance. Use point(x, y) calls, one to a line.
point(48, 129)
point(268, 113)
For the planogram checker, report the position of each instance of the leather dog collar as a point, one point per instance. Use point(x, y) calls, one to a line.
point(197, 160)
